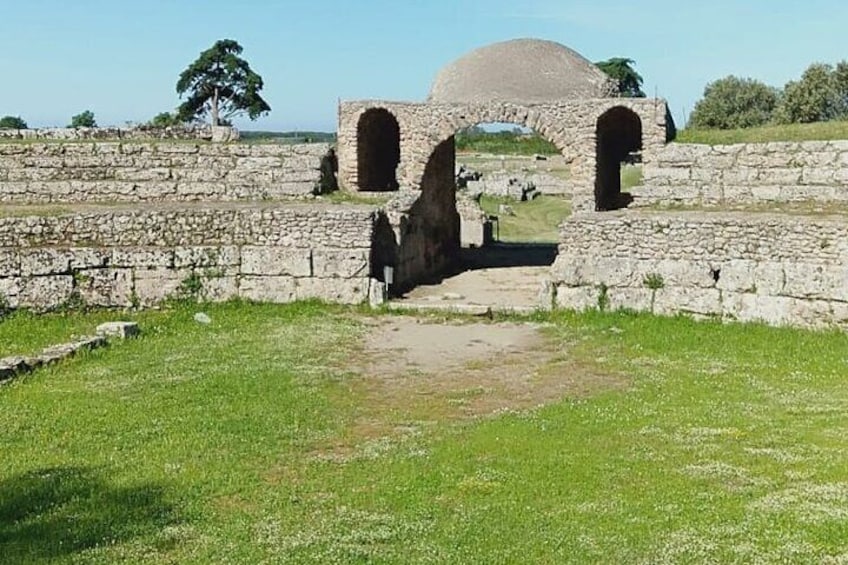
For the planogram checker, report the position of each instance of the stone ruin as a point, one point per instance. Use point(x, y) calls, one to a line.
point(745, 232)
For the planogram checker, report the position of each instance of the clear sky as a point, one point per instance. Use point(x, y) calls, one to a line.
point(121, 58)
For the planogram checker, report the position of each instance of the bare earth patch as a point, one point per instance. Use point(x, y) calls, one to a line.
point(413, 372)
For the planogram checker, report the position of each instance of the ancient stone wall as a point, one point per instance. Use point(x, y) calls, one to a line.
point(111, 133)
point(746, 173)
point(570, 125)
point(779, 269)
point(112, 256)
point(41, 173)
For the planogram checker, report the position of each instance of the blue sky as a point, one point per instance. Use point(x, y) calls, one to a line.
point(121, 58)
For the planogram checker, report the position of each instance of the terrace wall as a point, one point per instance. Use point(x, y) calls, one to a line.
point(746, 173)
point(126, 257)
point(49, 173)
point(784, 270)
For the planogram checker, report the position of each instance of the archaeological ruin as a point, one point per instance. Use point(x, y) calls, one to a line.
point(738, 232)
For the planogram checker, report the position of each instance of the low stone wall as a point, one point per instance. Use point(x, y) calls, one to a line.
point(747, 173)
point(113, 133)
point(43, 173)
point(132, 257)
point(783, 270)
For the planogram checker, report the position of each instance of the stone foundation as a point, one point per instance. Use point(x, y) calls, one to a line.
point(747, 173)
point(782, 270)
point(133, 257)
point(48, 173)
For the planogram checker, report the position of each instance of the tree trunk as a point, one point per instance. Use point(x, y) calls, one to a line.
point(215, 107)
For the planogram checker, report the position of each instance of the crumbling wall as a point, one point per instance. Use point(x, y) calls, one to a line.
point(45, 173)
point(746, 173)
point(777, 269)
point(139, 257)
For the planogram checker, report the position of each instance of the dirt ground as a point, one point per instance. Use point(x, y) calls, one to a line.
point(412, 372)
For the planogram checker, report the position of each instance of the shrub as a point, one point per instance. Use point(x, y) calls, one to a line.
point(165, 120)
point(12, 122)
point(819, 96)
point(83, 120)
point(734, 102)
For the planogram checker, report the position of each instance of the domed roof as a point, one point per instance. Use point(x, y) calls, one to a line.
point(521, 70)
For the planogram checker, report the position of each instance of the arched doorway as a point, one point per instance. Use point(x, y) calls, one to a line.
point(378, 150)
point(618, 135)
point(435, 262)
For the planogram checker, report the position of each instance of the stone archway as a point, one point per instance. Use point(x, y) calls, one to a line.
point(378, 150)
point(618, 133)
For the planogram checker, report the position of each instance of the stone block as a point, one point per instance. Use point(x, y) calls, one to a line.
point(220, 288)
point(817, 175)
point(276, 261)
point(637, 299)
point(737, 275)
point(577, 298)
point(676, 272)
point(214, 256)
point(773, 310)
point(815, 281)
point(769, 278)
point(155, 285)
point(780, 175)
point(105, 287)
point(141, 257)
point(279, 289)
point(45, 292)
point(121, 330)
point(10, 262)
point(343, 263)
point(699, 301)
point(10, 289)
point(44, 261)
point(344, 291)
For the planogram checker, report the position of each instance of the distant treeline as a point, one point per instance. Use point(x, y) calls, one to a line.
point(289, 136)
point(514, 142)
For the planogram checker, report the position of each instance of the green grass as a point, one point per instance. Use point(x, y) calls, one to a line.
point(535, 220)
point(821, 131)
point(347, 197)
point(505, 143)
point(201, 444)
point(631, 175)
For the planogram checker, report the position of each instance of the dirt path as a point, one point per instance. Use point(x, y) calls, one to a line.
point(415, 372)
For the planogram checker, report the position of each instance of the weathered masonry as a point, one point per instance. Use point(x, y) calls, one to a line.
point(780, 269)
point(743, 232)
point(409, 147)
point(122, 223)
point(128, 256)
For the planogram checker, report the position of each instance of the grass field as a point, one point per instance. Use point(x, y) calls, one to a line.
point(821, 131)
point(535, 220)
point(504, 143)
point(220, 443)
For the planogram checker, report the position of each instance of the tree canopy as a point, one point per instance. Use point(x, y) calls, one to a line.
point(83, 120)
point(621, 70)
point(165, 120)
point(12, 122)
point(221, 84)
point(820, 95)
point(734, 102)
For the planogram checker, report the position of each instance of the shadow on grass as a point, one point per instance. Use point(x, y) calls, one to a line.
point(55, 512)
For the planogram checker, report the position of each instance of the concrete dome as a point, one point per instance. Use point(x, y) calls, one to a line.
point(521, 70)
